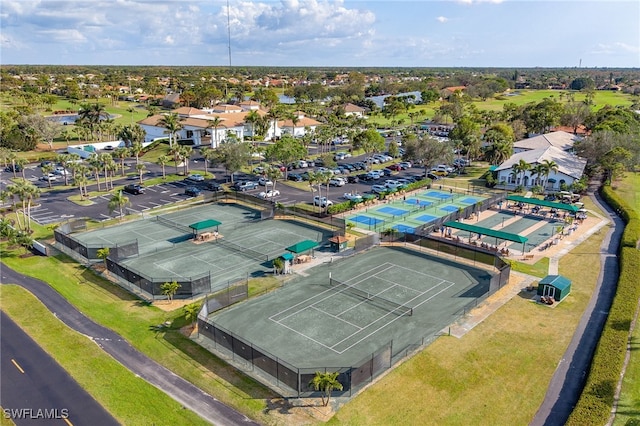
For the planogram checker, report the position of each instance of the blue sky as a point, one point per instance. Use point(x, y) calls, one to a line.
point(424, 33)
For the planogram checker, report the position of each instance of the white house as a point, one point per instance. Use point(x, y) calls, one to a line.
point(570, 169)
point(197, 127)
point(299, 128)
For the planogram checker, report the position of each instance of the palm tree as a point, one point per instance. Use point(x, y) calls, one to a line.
point(21, 163)
point(163, 160)
point(273, 173)
point(82, 181)
point(140, 168)
point(118, 202)
point(95, 163)
point(185, 154)
point(169, 289)
point(294, 120)
point(550, 166)
point(105, 160)
point(171, 122)
point(46, 170)
point(208, 154)
point(103, 253)
point(252, 118)
point(539, 171)
point(175, 152)
point(521, 167)
point(26, 192)
point(326, 383)
point(214, 124)
point(91, 115)
point(121, 154)
point(136, 149)
point(191, 312)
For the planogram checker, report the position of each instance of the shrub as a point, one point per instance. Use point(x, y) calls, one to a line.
point(340, 207)
point(596, 400)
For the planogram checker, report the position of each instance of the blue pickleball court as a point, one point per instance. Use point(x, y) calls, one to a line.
point(418, 202)
point(469, 200)
point(367, 220)
point(404, 229)
point(439, 195)
point(392, 211)
point(426, 218)
point(449, 209)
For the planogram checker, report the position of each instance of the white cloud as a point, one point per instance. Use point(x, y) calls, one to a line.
point(442, 19)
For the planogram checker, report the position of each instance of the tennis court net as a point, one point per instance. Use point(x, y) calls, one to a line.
point(376, 300)
point(247, 251)
point(173, 224)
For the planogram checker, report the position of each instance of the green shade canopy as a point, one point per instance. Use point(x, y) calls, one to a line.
point(543, 203)
point(487, 231)
point(287, 256)
point(199, 226)
point(302, 246)
point(558, 281)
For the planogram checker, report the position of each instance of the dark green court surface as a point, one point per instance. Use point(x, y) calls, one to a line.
point(388, 295)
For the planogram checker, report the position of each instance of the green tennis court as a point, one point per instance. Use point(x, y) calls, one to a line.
point(167, 250)
point(345, 310)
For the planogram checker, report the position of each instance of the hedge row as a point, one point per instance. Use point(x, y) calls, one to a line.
point(631, 233)
point(596, 400)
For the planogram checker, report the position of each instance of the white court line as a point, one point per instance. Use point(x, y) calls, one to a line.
point(393, 320)
point(336, 317)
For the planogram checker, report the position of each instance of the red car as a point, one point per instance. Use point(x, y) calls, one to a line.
point(395, 167)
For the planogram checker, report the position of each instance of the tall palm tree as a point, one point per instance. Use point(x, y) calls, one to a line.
point(252, 118)
point(96, 165)
point(550, 166)
point(91, 115)
point(22, 162)
point(294, 120)
point(46, 169)
point(214, 124)
point(121, 154)
point(118, 201)
point(163, 160)
point(175, 152)
point(538, 170)
point(171, 122)
point(185, 154)
point(208, 154)
point(521, 167)
point(140, 168)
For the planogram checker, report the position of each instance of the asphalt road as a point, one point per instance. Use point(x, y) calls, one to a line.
point(570, 375)
point(179, 389)
point(32, 381)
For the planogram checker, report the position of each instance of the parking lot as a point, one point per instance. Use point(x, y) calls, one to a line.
point(53, 204)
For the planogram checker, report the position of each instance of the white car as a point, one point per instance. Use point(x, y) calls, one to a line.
point(321, 201)
point(195, 178)
point(269, 194)
point(379, 189)
point(352, 197)
point(406, 164)
point(49, 177)
point(337, 181)
point(392, 184)
point(61, 171)
point(263, 181)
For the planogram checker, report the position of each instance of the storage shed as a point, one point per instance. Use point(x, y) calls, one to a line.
point(338, 243)
point(555, 286)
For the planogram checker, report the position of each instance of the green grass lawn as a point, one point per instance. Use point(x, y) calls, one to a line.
point(112, 385)
point(629, 406)
point(113, 307)
point(497, 374)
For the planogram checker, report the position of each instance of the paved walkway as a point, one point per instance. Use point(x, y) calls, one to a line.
point(176, 387)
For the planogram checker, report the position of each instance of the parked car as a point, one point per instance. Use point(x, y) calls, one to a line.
point(395, 167)
point(375, 174)
point(134, 188)
point(301, 164)
point(321, 201)
point(391, 184)
point(337, 181)
point(461, 162)
point(263, 181)
point(195, 178)
point(245, 185)
point(353, 179)
point(214, 186)
point(360, 165)
point(269, 194)
point(61, 171)
point(433, 176)
point(11, 168)
point(341, 156)
point(352, 197)
point(443, 168)
point(379, 189)
point(49, 177)
point(405, 164)
point(258, 170)
point(192, 191)
point(295, 177)
point(109, 147)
